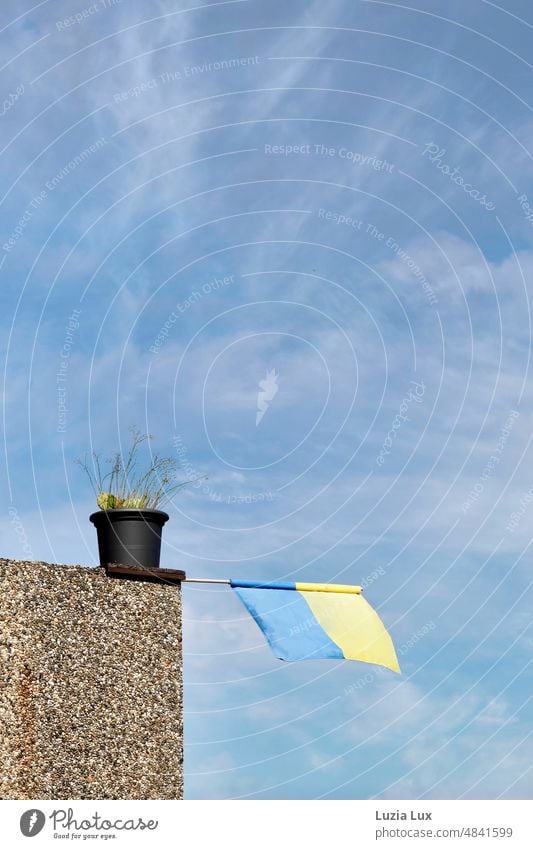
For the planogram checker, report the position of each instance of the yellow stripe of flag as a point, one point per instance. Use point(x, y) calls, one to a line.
point(353, 625)
point(327, 588)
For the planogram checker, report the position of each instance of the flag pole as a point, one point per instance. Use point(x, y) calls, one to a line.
point(267, 584)
point(206, 581)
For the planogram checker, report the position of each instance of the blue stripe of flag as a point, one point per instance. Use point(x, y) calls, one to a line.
point(267, 585)
point(287, 622)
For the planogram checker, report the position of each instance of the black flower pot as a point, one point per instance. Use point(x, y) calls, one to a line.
point(128, 536)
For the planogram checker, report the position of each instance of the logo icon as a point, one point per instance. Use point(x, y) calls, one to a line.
point(268, 389)
point(32, 822)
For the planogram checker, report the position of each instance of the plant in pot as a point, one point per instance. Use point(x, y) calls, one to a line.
point(129, 521)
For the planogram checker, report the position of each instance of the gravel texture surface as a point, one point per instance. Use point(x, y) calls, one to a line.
point(91, 679)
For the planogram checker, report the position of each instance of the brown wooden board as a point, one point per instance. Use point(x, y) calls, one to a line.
point(165, 576)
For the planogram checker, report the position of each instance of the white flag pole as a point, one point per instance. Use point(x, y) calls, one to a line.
point(206, 581)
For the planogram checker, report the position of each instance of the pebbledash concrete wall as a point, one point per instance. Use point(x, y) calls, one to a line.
point(91, 679)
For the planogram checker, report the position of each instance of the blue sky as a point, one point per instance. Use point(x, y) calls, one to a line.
point(341, 194)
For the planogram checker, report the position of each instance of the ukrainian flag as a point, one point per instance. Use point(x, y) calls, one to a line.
point(310, 621)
